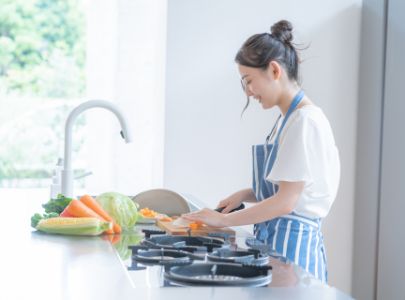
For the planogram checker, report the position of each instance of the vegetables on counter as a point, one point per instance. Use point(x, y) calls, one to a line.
point(38, 217)
point(57, 205)
point(119, 211)
point(80, 210)
point(120, 207)
point(65, 214)
point(74, 226)
point(94, 205)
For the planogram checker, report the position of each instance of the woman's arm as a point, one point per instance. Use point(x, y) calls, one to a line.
point(280, 204)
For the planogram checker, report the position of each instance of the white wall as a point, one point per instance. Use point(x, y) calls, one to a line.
point(207, 145)
point(125, 64)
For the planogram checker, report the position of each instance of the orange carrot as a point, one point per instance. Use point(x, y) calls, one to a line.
point(166, 219)
point(80, 210)
point(90, 202)
point(195, 225)
point(65, 214)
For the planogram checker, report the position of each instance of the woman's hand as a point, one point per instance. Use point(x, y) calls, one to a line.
point(230, 203)
point(207, 216)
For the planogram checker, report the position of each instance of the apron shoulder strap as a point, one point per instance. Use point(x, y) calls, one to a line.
point(297, 99)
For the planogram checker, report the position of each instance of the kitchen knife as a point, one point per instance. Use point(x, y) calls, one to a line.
point(181, 222)
point(220, 209)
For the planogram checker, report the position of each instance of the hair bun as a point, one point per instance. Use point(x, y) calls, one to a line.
point(282, 30)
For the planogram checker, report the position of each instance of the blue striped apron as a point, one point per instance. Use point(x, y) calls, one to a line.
point(295, 237)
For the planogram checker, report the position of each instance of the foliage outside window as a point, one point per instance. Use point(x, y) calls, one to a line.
point(42, 58)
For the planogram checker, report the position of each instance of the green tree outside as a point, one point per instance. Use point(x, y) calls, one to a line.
point(42, 57)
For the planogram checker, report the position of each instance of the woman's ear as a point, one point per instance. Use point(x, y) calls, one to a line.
point(275, 69)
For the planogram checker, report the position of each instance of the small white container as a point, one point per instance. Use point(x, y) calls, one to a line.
point(56, 185)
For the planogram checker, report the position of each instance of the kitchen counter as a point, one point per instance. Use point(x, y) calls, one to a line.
point(34, 265)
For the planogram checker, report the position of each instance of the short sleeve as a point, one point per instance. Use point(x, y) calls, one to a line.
point(299, 152)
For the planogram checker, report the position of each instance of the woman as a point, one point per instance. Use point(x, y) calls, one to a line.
point(296, 172)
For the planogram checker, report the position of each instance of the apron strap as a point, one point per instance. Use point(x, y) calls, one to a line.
point(297, 99)
point(268, 138)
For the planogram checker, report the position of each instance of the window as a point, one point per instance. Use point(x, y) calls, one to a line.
point(42, 73)
point(56, 54)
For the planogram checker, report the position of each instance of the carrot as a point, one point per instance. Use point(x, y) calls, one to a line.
point(195, 225)
point(65, 214)
point(90, 202)
point(80, 210)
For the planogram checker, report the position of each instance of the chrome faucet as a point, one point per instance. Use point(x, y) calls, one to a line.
point(67, 172)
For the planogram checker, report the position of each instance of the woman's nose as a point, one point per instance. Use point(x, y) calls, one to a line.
point(248, 91)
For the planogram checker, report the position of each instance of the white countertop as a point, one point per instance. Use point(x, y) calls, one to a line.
point(42, 266)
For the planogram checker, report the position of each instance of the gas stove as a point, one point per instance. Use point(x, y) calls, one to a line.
point(172, 260)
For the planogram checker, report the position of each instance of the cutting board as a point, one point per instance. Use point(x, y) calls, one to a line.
point(204, 230)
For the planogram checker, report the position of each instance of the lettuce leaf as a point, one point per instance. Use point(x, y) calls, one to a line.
point(120, 207)
point(57, 205)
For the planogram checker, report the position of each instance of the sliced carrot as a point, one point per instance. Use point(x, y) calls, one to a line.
point(80, 210)
point(90, 202)
point(166, 219)
point(146, 212)
point(195, 225)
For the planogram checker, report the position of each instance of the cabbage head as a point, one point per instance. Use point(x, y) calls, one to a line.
point(120, 207)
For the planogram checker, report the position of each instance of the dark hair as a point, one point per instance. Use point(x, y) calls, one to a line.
point(260, 49)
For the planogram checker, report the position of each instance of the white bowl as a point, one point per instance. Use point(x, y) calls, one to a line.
point(163, 201)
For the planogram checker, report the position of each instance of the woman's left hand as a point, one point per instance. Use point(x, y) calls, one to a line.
point(207, 216)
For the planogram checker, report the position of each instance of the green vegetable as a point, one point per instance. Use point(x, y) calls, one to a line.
point(121, 208)
point(57, 205)
point(74, 226)
point(38, 217)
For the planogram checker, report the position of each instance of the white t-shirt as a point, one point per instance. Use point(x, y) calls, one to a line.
point(307, 152)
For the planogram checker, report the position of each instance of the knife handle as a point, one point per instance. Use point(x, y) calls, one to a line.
point(220, 209)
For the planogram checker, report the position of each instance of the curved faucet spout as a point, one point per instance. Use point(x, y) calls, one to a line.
point(67, 173)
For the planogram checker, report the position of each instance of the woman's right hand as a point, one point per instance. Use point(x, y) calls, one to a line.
point(230, 203)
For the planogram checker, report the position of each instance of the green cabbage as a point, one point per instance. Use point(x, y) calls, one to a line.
point(121, 208)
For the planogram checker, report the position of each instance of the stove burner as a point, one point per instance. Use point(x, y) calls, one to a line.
point(162, 257)
point(250, 256)
point(221, 274)
point(149, 232)
point(185, 243)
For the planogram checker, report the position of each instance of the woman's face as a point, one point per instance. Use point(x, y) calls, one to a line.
point(261, 84)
